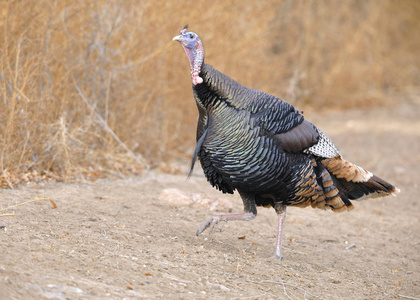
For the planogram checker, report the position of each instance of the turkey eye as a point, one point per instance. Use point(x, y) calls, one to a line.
point(191, 36)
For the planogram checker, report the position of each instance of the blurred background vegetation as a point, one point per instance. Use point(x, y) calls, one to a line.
point(98, 88)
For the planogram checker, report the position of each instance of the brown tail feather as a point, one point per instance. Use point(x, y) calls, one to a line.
point(342, 181)
point(330, 194)
point(357, 183)
point(345, 169)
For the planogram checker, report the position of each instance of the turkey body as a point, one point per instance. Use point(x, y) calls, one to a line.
point(262, 147)
point(239, 150)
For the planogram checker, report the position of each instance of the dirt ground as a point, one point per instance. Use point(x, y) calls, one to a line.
point(115, 239)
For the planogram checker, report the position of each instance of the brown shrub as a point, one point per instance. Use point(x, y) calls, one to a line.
point(99, 88)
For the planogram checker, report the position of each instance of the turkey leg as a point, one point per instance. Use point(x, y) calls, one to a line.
point(282, 216)
point(250, 213)
point(212, 220)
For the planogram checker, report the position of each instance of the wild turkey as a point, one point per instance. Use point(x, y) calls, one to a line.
point(262, 147)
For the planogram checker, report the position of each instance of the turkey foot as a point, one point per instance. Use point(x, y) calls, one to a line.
point(212, 220)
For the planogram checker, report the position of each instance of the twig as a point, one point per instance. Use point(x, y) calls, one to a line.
point(285, 292)
point(408, 297)
point(181, 281)
point(351, 246)
point(283, 282)
point(104, 124)
point(33, 200)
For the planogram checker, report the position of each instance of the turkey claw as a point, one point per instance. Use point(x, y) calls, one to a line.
point(275, 256)
point(210, 221)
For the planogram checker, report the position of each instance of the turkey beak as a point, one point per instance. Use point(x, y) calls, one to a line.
point(178, 38)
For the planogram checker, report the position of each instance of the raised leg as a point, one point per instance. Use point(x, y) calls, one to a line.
point(249, 214)
point(282, 216)
point(215, 219)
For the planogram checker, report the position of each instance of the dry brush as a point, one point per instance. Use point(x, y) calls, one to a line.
point(94, 89)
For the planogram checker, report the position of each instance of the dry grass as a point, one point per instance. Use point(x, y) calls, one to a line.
point(98, 88)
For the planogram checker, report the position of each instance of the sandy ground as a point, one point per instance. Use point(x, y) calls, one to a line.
point(115, 239)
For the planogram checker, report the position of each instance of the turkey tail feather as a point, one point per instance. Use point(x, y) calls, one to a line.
point(342, 181)
point(373, 188)
point(356, 183)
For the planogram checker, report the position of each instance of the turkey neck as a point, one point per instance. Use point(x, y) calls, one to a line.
point(216, 89)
